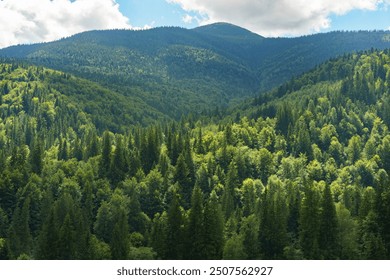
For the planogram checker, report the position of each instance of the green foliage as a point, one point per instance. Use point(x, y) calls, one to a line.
point(213, 223)
point(164, 73)
point(303, 175)
point(196, 228)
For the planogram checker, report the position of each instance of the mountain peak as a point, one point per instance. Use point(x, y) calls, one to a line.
point(224, 29)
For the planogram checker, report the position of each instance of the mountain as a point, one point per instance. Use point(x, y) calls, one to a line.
point(300, 172)
point(176, 71)
point(56, 100)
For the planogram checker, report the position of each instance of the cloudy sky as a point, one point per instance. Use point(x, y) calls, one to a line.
point(29, 21)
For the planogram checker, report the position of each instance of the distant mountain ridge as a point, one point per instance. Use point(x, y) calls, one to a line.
point(177, 71)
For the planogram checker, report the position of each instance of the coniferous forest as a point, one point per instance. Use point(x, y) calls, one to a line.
point(298, 172)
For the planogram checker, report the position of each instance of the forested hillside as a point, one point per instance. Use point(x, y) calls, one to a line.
point(177, 71)
point(299, 173)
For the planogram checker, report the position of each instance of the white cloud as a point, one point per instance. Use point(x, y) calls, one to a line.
point(188, 19)
point(276, 17)
point(29, 21)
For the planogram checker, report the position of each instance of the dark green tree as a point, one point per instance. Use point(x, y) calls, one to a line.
point(213, 224)
point(182, 176)
point(19, 237)
point(309, 222)
point(195, 228)
point(105, 160)
point(118, 167)
point(36, 156)
point(228, 197)
point(328, 226)
point(175, 231)
point(120, 238)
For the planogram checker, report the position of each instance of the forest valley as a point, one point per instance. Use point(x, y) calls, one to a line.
point(300, 172)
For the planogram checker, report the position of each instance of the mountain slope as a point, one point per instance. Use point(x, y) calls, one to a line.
point(177, 71)
point(30, 89)
point(300, 173)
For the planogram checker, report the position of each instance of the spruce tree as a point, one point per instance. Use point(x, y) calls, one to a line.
point(105, 160)
point(273, 221)
point(182, 176)
point(19, 236)
point(67, 240)
point(228, 197)
point(158, 235)
point(213, 224)
point(36, 157)
point(120, 238)
point(118, 167)
point(309, 223)
point(328, 227)
point(195, 230)
point(175, 231)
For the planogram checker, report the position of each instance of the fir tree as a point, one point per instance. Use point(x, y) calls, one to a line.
point(195, 229)
point(328, 227)
point(213, 224)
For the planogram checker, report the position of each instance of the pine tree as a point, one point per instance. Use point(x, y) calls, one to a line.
point(309, 223)
point(284, 118)
point(372, 245)
point(152, 201)
point(93, 145)
point(36, 157)
point(195, 229)
point(189, 162)
point(302, 141)
point(105, 161)
point(199, 148)
point(213, 229)
point(67, 240)
point(118, 167)
point(383, 215)
point(328, 228)
point(48, 248)
point(250, 233)
point(182, 176)
point(175, 234)
point(19, 236)
point(158, 236)
point(120, 238)
point(63, 150)
point(273, 221)
point(232, 182)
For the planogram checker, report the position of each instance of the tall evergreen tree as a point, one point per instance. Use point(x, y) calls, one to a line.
point(213, 223)
point(273, 221)
point(48, 248)
point(195, 229)
point(309, 223)
point(175, 231)
point(182, 176)
point(328, 227)
point(20, 240)
point(118, 167)
point(105, 161)
point(228, 198)
point(36, 156)
point(120, 238)
point(158, 235)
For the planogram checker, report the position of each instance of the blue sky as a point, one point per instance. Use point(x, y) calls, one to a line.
point(362, 20)
point(354, 15)
point(32, 21)
point(154, 13)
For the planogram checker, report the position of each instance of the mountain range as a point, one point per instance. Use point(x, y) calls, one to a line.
point(175, 71)
point(95, 165)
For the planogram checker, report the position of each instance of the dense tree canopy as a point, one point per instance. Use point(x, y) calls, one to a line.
point(301, 173)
